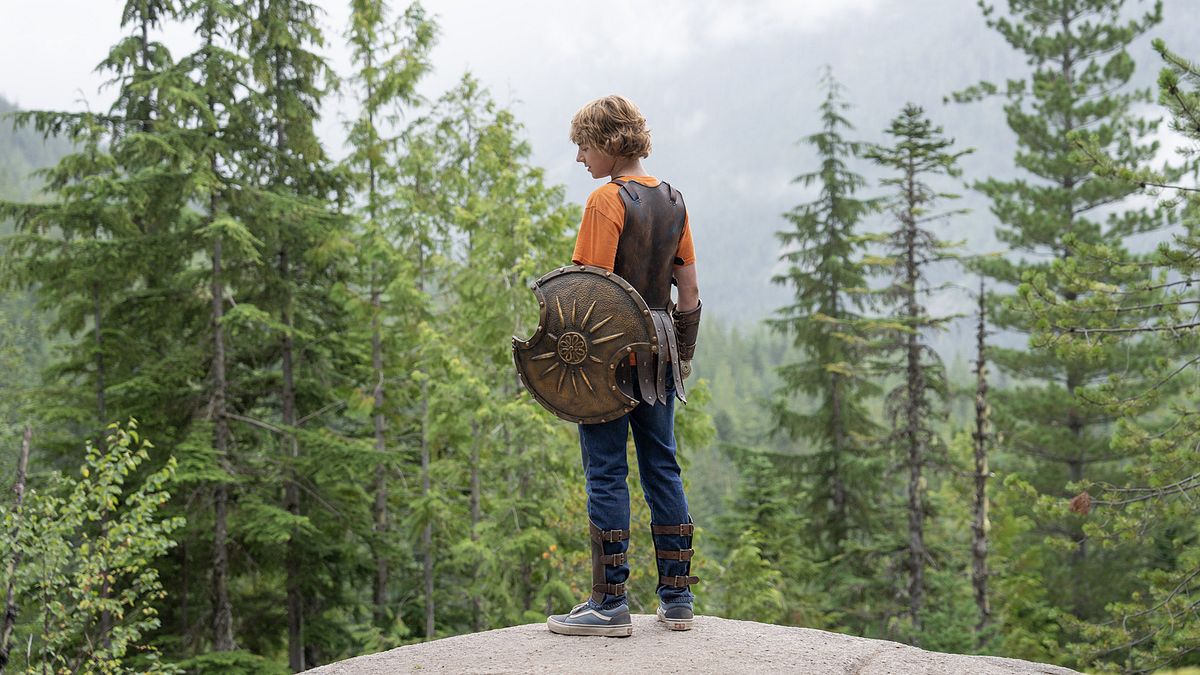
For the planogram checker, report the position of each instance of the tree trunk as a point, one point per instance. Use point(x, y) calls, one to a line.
point(10, 604)
point(840, 527)
point(101, 407)
point(1074, 421)
point(915, 383)
point(476, 516)
point(222, 606)
point(105, 626)
point(379, 596)
point(291, 490)
point(427, 532)
point(979, 526)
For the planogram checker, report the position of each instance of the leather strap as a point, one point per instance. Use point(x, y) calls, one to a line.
point(614, 559)
point(678, 581)
point(681, 555)
point(684, 529)
point(645, 374)
point(673, 350)
point(660, 376)
point(609, 536)
point(611, 589)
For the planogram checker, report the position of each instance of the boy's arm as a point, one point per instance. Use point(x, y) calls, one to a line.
point(687, 315)
point(689, 289)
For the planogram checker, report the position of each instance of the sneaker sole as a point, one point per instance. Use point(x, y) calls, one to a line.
point(674, 624)
point(561, 628)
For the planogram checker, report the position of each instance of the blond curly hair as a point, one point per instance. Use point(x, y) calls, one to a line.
point(614, 125)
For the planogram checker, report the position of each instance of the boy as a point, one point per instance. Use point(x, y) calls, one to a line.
point(637, 227)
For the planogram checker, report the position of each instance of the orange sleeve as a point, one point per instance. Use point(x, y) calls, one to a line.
point(686, 250)
point(600, 229)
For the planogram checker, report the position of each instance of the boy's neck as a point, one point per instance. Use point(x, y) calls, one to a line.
point(627, 166)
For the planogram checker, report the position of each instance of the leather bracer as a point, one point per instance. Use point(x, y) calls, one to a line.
point(687, 325)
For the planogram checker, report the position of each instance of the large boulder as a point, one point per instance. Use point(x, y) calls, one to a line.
point(714, 645)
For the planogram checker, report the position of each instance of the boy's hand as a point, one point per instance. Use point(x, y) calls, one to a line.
point(685, 368)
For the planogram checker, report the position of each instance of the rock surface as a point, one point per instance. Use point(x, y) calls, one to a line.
point(714, 645)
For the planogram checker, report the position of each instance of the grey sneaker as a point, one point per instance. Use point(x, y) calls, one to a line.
point(676, 616)
point(584, 620)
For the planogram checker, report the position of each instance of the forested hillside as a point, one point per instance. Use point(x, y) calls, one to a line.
point(280, 425)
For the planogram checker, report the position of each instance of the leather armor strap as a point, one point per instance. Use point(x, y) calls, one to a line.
point(681, 555)
point(602, 560)
point(609, 536)
point(673, 350)
point(683, 530)
point(687, 325)
point(613, 560)
point(645, 374)
point(661, 327)
point(611, 589)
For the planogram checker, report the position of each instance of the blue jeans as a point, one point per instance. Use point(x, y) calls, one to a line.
point(606, 470)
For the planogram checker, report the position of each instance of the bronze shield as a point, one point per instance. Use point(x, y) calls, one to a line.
point(591, 319)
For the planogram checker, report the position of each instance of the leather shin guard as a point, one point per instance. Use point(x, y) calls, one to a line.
point(683, 555)
point(601, 560)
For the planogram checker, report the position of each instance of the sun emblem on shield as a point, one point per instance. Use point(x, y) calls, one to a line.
point(573, 347)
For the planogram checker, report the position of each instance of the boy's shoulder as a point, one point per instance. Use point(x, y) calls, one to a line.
point(612, 190)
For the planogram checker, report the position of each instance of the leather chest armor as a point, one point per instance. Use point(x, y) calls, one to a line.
point(654, 221)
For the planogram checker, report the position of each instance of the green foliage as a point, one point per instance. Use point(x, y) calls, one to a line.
point(232, 663)
point(823, 252)
point(917, 406)
point(769, 563)
point(1076, 94)
point(87, 546)
point(1145, 303)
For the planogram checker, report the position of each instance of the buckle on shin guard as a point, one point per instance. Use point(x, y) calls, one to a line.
point(682, 555)
point(610, 589)
point(607, 536)
point(613, 560)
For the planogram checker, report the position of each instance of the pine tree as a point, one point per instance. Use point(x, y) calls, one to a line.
point(919, 154)
point(489, 226)
point(823, 252)
point(769, 574)
point(981, 436)
point(297, 216)
point(1078, 84)
point(391, 58)
point(1148, 303)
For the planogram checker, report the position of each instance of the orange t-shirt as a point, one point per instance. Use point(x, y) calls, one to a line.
point(603, 219)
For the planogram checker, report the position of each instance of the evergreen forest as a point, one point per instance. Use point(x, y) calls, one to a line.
point(259, 413)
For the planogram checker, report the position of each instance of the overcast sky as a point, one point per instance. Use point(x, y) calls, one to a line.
point(728, 88)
